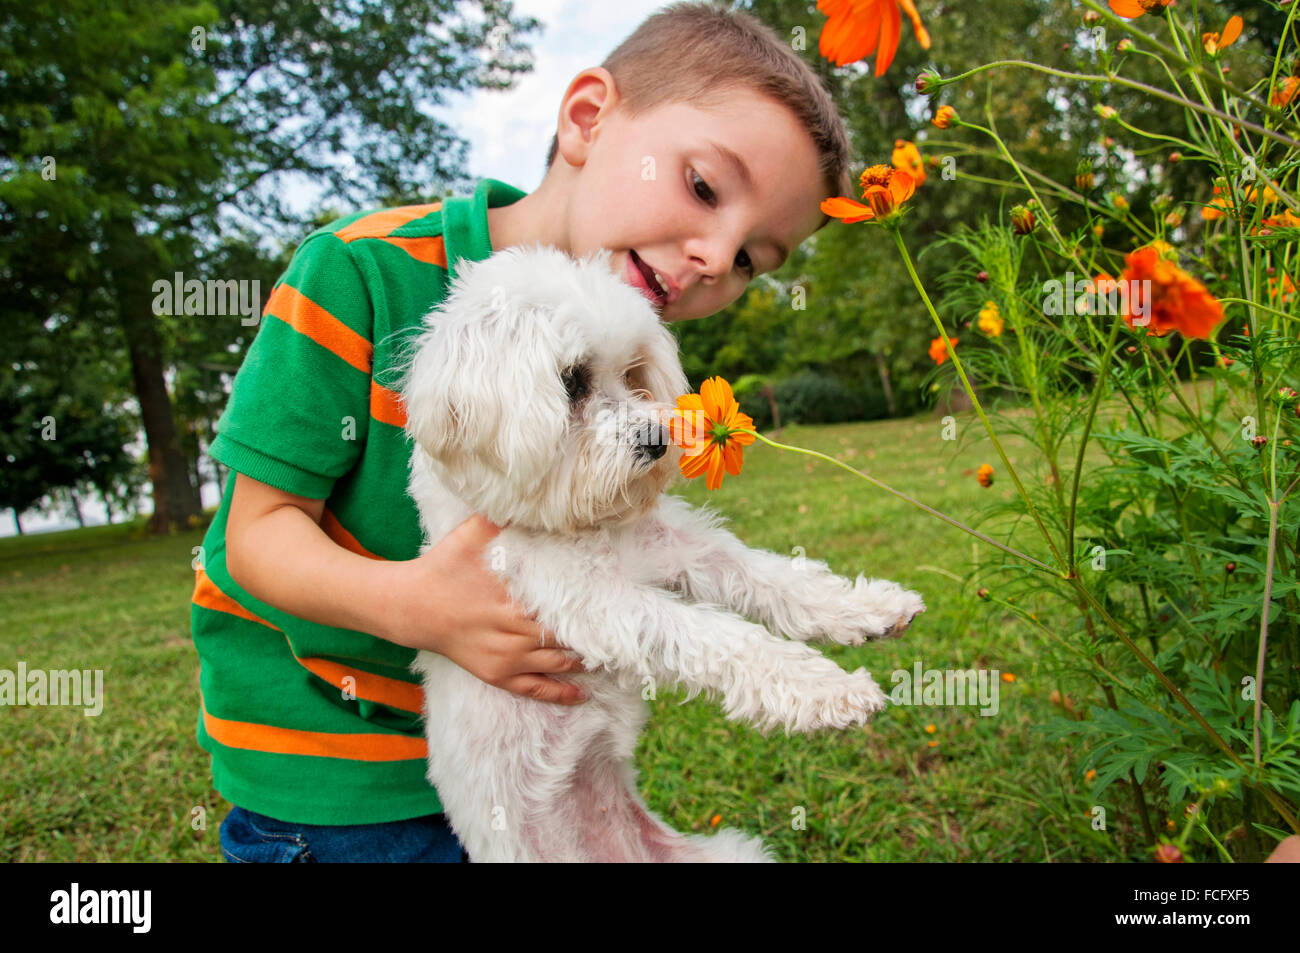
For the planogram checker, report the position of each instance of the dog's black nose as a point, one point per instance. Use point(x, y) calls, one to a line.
point(651, 441)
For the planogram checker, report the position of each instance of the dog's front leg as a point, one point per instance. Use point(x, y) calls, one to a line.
point(640, 630)
point(798, 597)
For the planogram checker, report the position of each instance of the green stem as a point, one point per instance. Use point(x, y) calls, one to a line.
point(901, 496)
point(970, 391)
point(1173, 55)
point(1132, 84)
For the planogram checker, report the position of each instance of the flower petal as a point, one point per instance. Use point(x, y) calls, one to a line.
point(847, 209)
point(1230, 32)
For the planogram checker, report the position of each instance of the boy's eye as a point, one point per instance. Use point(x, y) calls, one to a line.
point(698, 182)
point(742, 258)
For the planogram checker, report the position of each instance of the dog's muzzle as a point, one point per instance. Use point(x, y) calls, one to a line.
point(651, 441)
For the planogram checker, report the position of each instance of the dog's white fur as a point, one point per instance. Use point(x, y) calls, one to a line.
point(644, 588)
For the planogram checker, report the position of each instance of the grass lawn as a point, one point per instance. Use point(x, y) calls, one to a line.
point(125, 785)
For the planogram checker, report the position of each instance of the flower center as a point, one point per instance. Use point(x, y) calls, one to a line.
point(877, 175)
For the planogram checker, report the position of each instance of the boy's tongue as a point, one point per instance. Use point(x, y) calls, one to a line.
point(648, 286)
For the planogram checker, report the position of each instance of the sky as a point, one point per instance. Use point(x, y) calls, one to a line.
point(508, 133)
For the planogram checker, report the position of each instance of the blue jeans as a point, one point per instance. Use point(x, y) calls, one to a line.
point(249, 838)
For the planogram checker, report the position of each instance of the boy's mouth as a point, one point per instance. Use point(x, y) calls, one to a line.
point(642, 277)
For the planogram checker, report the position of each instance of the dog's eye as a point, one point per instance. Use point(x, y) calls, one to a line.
point(577, 382)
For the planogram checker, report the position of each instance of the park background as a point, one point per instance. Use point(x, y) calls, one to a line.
point(208, 139)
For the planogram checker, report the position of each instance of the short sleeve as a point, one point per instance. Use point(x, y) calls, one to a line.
point(299, 411)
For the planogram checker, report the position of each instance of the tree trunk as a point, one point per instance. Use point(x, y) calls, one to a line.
point(133, 273)
point(18, 524)
point(76, 508)
point(887, 384)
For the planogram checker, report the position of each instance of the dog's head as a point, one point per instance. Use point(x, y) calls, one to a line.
point(541, 388)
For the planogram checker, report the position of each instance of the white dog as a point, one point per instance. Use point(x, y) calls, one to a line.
point(536, 395)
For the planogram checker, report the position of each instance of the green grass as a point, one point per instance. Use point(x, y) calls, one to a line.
point(125, 785)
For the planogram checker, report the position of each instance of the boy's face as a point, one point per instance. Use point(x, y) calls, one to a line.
point(659, 192)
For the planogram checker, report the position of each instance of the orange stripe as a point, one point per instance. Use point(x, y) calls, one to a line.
point(386, 405)
point(307, 317)
point(251, 736)
point(430, 250)
point(335, 531)
point(380, 224)
point(208, 596)
point(393, 692)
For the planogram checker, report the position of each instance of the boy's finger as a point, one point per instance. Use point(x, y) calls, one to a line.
point(554, 660)
point(545, 689)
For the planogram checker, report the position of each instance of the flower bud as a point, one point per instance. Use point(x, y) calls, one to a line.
point(1105, 112)
point(1091, 16)
point(1120, 203)
point(928, 83)
point(1175, 157)
point(1230, 568)
point(1258, 441)
point(982, 277)
point(1083, 177)
point(1124, 45)
point(1174, 219)
point(944, 116)
point(1022, 220)
point(983, 593)
point(1169, 854)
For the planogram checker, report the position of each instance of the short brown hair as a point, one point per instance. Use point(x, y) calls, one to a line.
point(692, 52)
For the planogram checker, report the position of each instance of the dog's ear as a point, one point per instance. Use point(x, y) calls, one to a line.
point(476, 384)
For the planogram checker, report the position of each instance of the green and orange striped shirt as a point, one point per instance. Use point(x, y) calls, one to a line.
point(304, 722)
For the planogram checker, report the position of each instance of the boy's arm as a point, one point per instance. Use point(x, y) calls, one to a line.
point(445, 601)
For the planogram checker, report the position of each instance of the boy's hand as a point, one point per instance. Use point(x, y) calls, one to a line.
point(447, 602)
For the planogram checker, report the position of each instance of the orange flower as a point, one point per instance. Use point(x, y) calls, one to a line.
point(985, 475)
point(704, 425)
point(885, 190)
point(1283, 94)
point(944, 116)
point(907, 158)
point(1217, 208)
point(715, 820)
point(1287, 219)
point(1214, 42)
point(1280, 294)
point(938, 352)
point(930, 729)
point(1128, 9)
point(1090, 775)
point(1008, 677)
point(1163, 295)
point(855, 28)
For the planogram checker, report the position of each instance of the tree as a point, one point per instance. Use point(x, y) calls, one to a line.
point(133, 133)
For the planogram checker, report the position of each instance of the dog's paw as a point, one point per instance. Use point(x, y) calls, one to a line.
point(849, 698)
point(872, 609)
point(853, 700)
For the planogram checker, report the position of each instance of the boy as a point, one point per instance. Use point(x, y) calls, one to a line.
point(698, 153)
